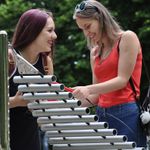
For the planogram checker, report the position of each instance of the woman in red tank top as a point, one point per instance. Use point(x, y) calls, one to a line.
point(116, 57)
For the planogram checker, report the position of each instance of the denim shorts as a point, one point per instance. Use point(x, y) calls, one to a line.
point(126, 119)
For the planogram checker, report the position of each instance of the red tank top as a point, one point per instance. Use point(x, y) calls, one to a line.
point(107, 70)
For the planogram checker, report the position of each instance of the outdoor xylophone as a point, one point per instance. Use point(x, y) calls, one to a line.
point(67, 125)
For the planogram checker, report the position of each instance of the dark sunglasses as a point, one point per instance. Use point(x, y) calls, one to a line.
point(84, 5)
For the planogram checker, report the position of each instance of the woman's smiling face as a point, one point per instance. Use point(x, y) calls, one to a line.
point(47, 36)
point(90, 27)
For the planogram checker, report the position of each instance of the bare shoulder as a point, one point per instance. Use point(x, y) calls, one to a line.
point(130, 40)
point(130, 36)
point(10, 55)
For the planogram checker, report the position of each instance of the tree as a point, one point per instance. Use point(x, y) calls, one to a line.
point(9, 14)
point(71, 61)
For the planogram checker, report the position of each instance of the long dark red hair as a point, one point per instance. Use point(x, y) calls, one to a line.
point(29, 27)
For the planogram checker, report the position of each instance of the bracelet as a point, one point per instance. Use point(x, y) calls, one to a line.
point(89, 101)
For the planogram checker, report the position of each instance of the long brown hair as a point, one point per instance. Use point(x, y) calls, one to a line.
point(95, 10)
point(29, 27)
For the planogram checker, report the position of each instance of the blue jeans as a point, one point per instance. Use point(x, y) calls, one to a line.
point(44, 141)
point(126, 119)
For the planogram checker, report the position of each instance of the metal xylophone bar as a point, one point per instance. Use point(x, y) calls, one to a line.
point(60, 111)
point(76, 133)
point(68, 118)
point(97, 146)
point(54, 104)
point(91, 139)
point(74, 126)
point(41, 87)
point(47, 95)
point(34, 79)
point(67, 125)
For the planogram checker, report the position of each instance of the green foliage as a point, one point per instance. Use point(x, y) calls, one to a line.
point(71, 55)
point(10, 12)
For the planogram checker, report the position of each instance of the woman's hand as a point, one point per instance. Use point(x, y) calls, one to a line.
point(95, 52)
point(17, 101)
point(81, 92)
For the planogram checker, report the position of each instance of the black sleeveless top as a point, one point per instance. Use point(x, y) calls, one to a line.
point(24, 131)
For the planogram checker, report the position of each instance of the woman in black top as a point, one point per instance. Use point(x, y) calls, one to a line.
point(33, 38)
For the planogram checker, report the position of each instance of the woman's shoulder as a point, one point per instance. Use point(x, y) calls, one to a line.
point(129, 35)
point(11, 63)
point(129, 40)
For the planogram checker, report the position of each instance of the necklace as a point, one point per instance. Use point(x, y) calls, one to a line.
point(101, 50)
point(103, 54)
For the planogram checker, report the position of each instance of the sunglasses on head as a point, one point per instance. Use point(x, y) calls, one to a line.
point(84, 5)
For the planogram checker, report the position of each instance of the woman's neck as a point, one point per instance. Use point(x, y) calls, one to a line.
point(29, 54)
point(105, 43)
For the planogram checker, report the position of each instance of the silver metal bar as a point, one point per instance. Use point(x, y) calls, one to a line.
point(100, 146)
point(74, 126)
point(54, 104)
point(65, 119)
point(90, 139)
point(136, 148)
point(47, 95)
point(60, 111)
point(4, 130)
point(70, 148)
point(78, 133)
point(34, 79)
point(40, 87)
